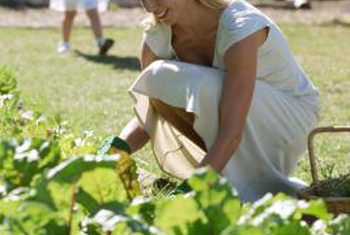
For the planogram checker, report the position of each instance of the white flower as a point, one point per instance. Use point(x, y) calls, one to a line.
point(24, 147)
point(4, 98)
point(29, 115)
point(7, 96)
point(318, 226)
point(31, 156)
point(108, 220)
point(79, 142)
point(89, 133)
point(3, 189)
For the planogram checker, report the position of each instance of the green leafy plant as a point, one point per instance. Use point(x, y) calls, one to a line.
point(51, 182)
point(8, 81)
point(22, 159)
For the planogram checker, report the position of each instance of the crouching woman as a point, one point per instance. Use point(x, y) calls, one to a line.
point(220, 87)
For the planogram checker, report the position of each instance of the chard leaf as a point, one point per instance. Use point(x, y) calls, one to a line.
point(216, 198)
point(180, 215)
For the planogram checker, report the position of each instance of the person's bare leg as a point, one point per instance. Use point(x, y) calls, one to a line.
point(134, 135)
point(104, 44)
point(95, 23)
point(180, 119)
point(67, 24)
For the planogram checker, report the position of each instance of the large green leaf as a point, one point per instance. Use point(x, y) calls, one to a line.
point(93, 206)
point(281, 215)
point(22, 159)
point(243, 230)
point(87, 201)
point(291, 227)
point(43, 194)
point(180, 215)
point(72, 168)
point(315, 208)
point(216, 198)
point(145, 208)
point(69, 172)
point(105, 221)
point(341, 225)
point(32, 218)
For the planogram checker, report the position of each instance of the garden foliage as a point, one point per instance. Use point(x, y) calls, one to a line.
point(52, 182)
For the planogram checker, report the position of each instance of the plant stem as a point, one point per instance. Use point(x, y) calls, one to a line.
point(72, 204)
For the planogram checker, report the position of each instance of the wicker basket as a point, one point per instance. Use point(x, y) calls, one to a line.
point(335, 205)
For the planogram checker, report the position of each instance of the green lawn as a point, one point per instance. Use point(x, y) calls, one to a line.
point(91, 91)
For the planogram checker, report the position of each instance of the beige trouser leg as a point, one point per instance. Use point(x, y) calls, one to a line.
point(180, 119)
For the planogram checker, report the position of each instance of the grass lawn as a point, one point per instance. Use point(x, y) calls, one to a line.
point(91, 91)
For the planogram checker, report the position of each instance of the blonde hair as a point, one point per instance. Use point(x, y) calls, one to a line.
point(211, 4)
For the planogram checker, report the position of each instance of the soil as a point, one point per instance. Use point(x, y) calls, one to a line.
point(322, 12)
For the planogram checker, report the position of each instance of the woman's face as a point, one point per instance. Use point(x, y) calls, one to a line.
point(166, 11)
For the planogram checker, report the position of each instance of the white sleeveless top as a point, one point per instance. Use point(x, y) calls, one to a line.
point(275, 63)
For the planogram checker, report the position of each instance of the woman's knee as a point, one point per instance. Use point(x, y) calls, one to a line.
point(159, 68)
point(171, 68)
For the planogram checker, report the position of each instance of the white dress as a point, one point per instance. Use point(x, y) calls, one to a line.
point(284, 107)
point(79, 5)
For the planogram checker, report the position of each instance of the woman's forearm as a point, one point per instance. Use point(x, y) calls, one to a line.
point(238, 89)
point(134, 134)
point(234, 107)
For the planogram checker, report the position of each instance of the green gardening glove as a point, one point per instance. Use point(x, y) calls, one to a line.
point(182, 188)
point(112, 145)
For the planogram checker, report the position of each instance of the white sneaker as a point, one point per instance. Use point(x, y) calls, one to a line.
point(63, 47)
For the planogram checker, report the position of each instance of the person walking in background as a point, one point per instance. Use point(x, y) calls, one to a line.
point(92, 9)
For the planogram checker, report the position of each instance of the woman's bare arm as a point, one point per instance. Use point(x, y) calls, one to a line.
point(241, 62)
point(133, 133)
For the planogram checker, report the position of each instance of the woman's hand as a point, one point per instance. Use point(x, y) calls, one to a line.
point(238, 90)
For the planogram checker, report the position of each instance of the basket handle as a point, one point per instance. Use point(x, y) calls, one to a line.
point(310, 143)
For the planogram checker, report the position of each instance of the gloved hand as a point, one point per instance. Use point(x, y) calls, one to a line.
point(182, 188)
point(112, 145)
